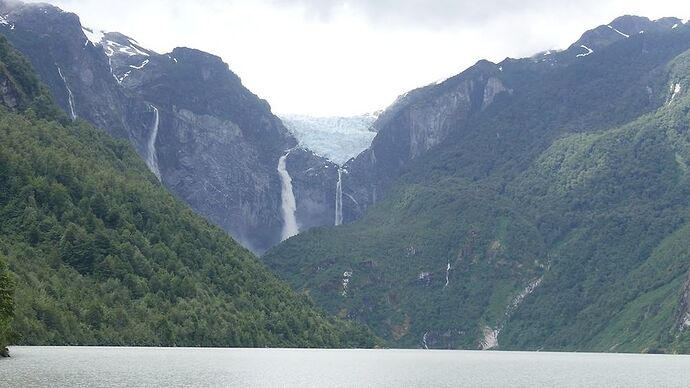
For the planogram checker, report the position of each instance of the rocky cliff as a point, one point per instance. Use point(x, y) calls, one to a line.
point(207, 138)
point(423, 119)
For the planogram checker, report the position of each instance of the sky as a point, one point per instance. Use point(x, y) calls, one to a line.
point(335, 57)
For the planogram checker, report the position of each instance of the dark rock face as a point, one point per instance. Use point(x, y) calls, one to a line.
point(8, 93)
point(217, 145)
point(209, 140)
point(416, 123)
point(314, 183)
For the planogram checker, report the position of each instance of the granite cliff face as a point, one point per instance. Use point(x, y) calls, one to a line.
point(416, 123)
point(217, 145)
point(206, 137)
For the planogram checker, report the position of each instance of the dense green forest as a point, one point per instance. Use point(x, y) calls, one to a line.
point(556, 219)
point(102, 254)
point(6, 307)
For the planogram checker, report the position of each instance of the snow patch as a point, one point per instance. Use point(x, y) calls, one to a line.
point(589, 51)
point(620, 33)
point(6, 22)
point(424, 340)
point(146, 62)
point(447, 275)
point(119, 80)
point(94, 36)
point(287, 196)
point(112, 47)
point(674, 26)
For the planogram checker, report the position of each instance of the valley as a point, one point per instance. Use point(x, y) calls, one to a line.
point(152, 199)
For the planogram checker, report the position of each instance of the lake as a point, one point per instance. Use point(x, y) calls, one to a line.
point(184, 367)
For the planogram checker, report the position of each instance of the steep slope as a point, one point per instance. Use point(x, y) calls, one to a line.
point(211, 142)
point(103, 255)
point(536, 206)
point(6, 308)
point(424, 118)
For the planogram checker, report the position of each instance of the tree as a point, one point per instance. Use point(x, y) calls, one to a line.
point(6, 306)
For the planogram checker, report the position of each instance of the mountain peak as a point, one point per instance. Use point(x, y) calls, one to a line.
point(622, 27)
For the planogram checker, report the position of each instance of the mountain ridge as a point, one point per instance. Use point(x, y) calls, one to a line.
point(464, 250)
point(103, 255)
point(216, 144)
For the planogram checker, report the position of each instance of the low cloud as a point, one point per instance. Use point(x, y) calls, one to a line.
point(438, 13)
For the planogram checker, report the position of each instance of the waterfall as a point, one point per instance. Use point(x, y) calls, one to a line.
point(69, 93)
point(152, 158)
point(339, 198)
point(287, 196)
point(447, 274)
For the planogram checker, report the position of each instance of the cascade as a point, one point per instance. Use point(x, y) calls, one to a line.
point(287, 196)
point(152, 158)
point(339, 198)
point(70, 95)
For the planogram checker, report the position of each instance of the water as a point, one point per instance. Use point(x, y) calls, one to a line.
point(70, 96)
point(288, 203)
point(339, 199)
point(152, 157)
point(181, 367)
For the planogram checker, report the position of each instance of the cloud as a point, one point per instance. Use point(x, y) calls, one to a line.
point(336, 57)
point(438, 13)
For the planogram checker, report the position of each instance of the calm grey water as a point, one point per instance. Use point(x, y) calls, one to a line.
point(181, 367)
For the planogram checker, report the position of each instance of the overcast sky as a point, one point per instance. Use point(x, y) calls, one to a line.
point(333, 57)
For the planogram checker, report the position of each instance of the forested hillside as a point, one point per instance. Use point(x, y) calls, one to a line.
point(554, 218)
point(102, 254)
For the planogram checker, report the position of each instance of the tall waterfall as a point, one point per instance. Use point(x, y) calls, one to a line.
point(69, 93)
point(152, 157)
point(339, 199)
point(287, 196)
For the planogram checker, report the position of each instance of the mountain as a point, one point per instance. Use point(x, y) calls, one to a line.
point(535, 204)
point(102, 254)
point(209, 140)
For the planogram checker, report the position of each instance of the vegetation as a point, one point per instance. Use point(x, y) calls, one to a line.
point(103, 255)
point(6, 307)
point(583, 193)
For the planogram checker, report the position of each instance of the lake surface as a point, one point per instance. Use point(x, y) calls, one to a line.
point(183, 367)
